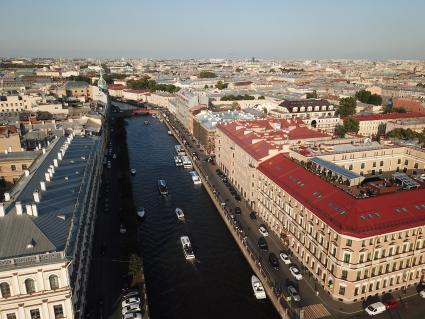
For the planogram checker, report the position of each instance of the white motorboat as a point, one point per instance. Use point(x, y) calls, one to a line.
point(133, 171)
point(141, 212)
point(178, 161)
point(258, 288)
point(187, 248)
point(186, 162)
point(179, 150)
point(195, 177)
point(179, 213)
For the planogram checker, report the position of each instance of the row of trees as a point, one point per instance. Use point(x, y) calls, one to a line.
point(146, 83)
point(420, 85)
point(231, 97)
point(351, 125)
point(407, 134)
point(347, 106)
point(221, 86)
point(369, 98)
point(207, 75)
point(395, 110)
point(312, 95)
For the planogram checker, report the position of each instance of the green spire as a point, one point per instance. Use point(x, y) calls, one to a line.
point(101, 84)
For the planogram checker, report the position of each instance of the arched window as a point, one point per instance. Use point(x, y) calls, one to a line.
point(5, 290)
point(29, 286)
point(54, 282)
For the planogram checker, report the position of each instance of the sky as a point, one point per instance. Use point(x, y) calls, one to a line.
point(280, 29)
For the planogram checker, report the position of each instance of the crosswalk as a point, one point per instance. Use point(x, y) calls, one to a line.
point(315, 311)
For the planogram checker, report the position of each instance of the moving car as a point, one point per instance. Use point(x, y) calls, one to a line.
point(263, 230)
point(262, 243)
point(375, 309)
point(130, 301)
point(238, 210)
point(294, 293)
point(295, 272)
point(133, 315)
point(273, 261)
point(131, 308)
point(285, 258)
point(392, 303)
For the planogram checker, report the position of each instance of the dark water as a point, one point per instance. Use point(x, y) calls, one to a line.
point(218, 283)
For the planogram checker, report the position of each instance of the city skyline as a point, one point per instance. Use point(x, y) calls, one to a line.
point(166, 29)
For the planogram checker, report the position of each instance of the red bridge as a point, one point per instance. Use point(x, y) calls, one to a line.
point(142, 111)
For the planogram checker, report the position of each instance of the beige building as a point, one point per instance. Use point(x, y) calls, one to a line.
point(13, 166)
point(10, 140)
point(17, 103)
point(78, 89)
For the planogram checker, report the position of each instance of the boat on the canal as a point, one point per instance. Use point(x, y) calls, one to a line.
point(178, 161)
point(195, 178)
point(162, 187)
point(133, 171)
point(179, 150)
point(258, 288)
point(186, 162)
point(146, 122)
point(179, 213)
point(170, 133)
point(187, 248)
point(141, 212)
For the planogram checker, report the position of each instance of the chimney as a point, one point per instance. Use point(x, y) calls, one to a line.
point(59, 156)
point(48, 143)
point(27, 172)
point(28, 209)
point(6, 197)
point(44, 150)
point(18, 207)
point(36, 196)
point(34, 210)
point(9, 149)
point(47, 176)
point(52, 168)
point(43, 185)
point(5, 152)
point(1, 209)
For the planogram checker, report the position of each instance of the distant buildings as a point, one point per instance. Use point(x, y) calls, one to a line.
point(182, 104)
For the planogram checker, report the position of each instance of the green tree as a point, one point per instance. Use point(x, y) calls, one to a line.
point(221, 86)
point(265, 110)
point(312, 95)
point(363, 96)
point(135, 265)
point(351, 125)
point(347, 106)
point(206, 86)
point(375, 99)
point(340, 130)
point(261, 97)
point(207, 75)
point(235, 106)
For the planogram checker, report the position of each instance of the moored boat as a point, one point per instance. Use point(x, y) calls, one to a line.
point(178, 160)
point(179, 213)
point(187, 248)
point(195, 178)
point(141, 212)
point(258, 288)
point(133, 171)
point(170, 133)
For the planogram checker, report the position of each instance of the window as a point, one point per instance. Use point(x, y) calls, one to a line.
point(399, 161)
point(24, 166)
point(30, 286)
point(344, 275)
point(35, 314)
point(54, 282)
point(381, 163)
point(5, 290)
point(347, 258)
point(13, 167)
point(374, 164)
point(362, 165)
point(58, 310)
point(10, 316)
point(342, 290)
point(349, 242)
point(406, 162)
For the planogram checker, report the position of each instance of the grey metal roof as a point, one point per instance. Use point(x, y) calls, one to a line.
point(59, 207)
point(335, 168)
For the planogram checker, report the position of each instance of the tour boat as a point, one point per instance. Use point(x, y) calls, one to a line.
point(162, 187)
point(186, 162)
point(170, 133)
point(179, 213)
point(178, 161)
point(258, 288)
point(141, 212)
point(195, 178)
point(133, 171)
point(179, 150)
point(187, 248)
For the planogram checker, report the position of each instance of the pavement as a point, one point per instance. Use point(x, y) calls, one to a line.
point(315, 303)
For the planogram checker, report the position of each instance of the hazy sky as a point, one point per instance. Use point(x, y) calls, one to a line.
point(376, 29)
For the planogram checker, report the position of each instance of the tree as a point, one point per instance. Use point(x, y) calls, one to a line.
point(261, 97)
point(235, 106)
point(347, 106)
point(239, 70)
point(312, 95)
point(265, 110)
point(351, 125)
point(363, 96)
point(207, 75)
point(205, 86)
point(375, 99)
point(135, 265)
point(272, 71)
point(221, 86)
point(340, 130)
point(231, 97)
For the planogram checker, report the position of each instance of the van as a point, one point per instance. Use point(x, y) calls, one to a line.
point(375, 309)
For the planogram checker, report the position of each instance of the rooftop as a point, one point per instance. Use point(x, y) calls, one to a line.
point(388, 116)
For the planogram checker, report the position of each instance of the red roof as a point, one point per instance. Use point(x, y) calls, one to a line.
point(388, 116)
point(357, 217)
point(409, 105)
point(116, 87)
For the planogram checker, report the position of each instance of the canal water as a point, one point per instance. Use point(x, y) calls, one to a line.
point(218, 283)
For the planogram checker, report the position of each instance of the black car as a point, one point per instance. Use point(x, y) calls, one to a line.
point(238, 198)
point(262, 243)
point(274, 262)
point(238, 211)
point(253, 215)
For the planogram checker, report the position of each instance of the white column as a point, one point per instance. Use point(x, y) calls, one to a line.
point(6, 196)
point(18, 206)
point(1, 210)
point(45, 310)
point(21, 312)
point(40, 281)
point(28, 209)
point(69, 311)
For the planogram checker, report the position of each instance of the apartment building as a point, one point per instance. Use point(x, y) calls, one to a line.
point(240, 146)
point(77, 89)
point(183, 102)
point(356, 241)
point(13, 165)
point(46, 230)
point(17, 103)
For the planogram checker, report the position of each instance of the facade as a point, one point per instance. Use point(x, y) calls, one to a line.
point(161, 99)
point(183, 102)
point(77, 89)
point(13, 166)
point(135, 95)
point(354, 246)
point(17, 103)
point(10, 139)
point(46, 232)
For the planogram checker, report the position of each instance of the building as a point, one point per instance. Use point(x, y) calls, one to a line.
point(13, 166)
point(183, 102)
point(17, 103)
point(135, 94)
point(240, 146)
point(10, 140)
point(77, 89)
point(161, 99)
point(356, 241)
point(416, 125)
point(116, 90)
point(46, 230)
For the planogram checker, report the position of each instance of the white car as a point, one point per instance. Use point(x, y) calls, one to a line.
point(295, 272)
point(422, 293)
point(133, 293)
point(285, 258)
point(263, 230)
point(133, 315)
point(131, 308)
point(130, 301)
point(375, 309)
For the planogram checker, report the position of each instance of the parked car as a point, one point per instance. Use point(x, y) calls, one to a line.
point(295, 272)
point(130, 301)
point(262, 243)
point(253, 215)
point(123, 230)
point(133, 315)
point(131, 308)
point(422, 293)
point(375, 309)
point(132, 293)
point(392, 303)
point(285, 258)
point(238, 210)
point(263, 230)
point(294, 293)
point(238, 198)
point(273, 261)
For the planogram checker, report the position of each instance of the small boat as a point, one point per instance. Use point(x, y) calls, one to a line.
point(179, 213)
point(170, 133)
point(179, 150)
point(141, 212)
point(187, 248)
point(186, 162)
point(195, 178)
point(133, 171)
point(258, 288)
point(178, 161)
point(162, 187)
point(146, 122)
